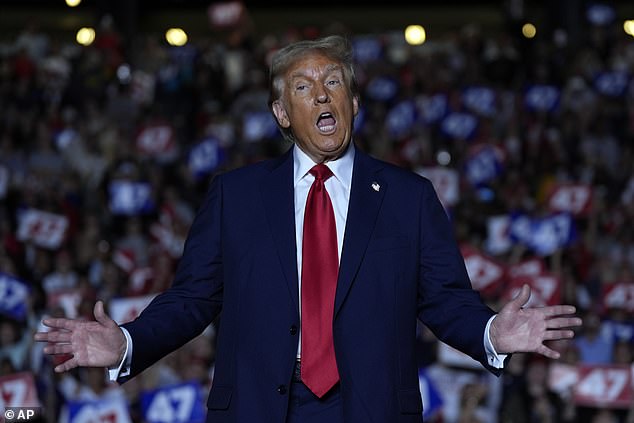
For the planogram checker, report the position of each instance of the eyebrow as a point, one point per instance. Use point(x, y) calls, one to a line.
point(333, 67)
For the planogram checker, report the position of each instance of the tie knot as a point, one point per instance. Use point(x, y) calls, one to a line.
point(321, 172)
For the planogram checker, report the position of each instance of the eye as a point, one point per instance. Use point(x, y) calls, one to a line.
point(301, 87)
point(334, 82)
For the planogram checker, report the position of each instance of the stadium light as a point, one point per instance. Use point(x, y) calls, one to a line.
point(73, 3)
point(85, 36)
point(628, 27)
point(415, 35)
point(529, 30)
point(176, 37)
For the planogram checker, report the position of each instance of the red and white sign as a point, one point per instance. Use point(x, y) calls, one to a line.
point(123, 310)
point(68, 299)
point(604, 386)
point(156, 140)
point(18, 390)
point(485, 273)
point(619, 295)
point(44, 229)
point(105, 410)
point(498, 235)
point(571, 198)
point(545, 289)
point(562, 377)
point(532, 267)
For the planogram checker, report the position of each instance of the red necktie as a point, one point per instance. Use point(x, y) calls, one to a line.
point(320, 267)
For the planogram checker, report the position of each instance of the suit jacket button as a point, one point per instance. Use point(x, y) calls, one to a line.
point(293, 330)
point(281, 389)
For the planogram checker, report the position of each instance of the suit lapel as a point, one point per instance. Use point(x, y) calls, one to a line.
point(366, 195)
point(279, 203)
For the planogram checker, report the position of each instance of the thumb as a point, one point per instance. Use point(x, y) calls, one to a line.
point(522, 298)
point(101, 316)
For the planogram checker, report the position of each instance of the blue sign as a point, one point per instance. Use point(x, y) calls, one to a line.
point(130, 198)
point(180, 403)
point(612, 84)
point(366, 49)
point(205, 157)
point(14, 295)
point(400, 119)
point(542, 98)
point(433, 108)
point(382, 88)
point(257, 126)
point(543, 235)
point(459, 126)
point(480, 100)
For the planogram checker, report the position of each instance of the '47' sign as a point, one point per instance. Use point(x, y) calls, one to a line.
point(173, 404)
point(604, 386)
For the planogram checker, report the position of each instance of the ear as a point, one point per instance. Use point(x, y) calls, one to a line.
point(355, 105)
point(280, 114)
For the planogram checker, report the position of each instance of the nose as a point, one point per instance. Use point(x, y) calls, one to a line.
point(321, 96)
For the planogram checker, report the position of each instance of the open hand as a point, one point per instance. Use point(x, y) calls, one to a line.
point(518, 329)
point(99, 343)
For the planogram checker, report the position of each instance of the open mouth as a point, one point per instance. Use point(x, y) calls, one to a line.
point(326, 123)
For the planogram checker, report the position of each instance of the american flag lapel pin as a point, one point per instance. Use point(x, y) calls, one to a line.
point(376, 186)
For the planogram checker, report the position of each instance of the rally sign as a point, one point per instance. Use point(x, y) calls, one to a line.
point(543, 235)
point(562, 377)
point(619, 296)
point(612, 84)
point(18, 390)
point(225, 14)
point(130, 198)
point(446, 182)
point(459, 126)
point(485, 163)
point(400, 118)
point(545, 289)
point(205, 157)
point(531, 267)
point(44, 229)
point(156, 140)
point(498, 240)
point(432, 109)
point(571, 198)
point(382, 88)
point(257, 126)
point(432, 399)
point(14, 297)
point(480, 100)
point(366, 49)
point(104, 410)
point(124, 310)
point(607, 386)
point(542, 98)
point(485, 273)
point(180, 403)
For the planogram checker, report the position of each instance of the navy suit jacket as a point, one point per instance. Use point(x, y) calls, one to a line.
point(399, 262)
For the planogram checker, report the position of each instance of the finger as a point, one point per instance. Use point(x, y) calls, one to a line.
point(58, 349)
point(563, 322)
point(522, 298)
point(52, 336)
point(553, 335)
point(547, 352)
point(60, 323)
point(67, 365)
point(558, 310)
point(101, 316)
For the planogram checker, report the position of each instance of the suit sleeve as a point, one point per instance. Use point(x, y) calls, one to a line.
point(447, 303)
point(195, 298)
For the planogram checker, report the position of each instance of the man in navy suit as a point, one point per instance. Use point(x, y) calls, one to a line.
point(247, 254)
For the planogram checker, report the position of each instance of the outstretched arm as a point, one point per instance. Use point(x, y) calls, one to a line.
point(518, 329)
point(99, 343)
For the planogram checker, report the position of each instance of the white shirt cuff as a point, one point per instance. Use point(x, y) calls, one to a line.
point(494, 359)
point(123, 369)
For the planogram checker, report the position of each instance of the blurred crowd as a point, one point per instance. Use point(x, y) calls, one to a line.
point(107, 150)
